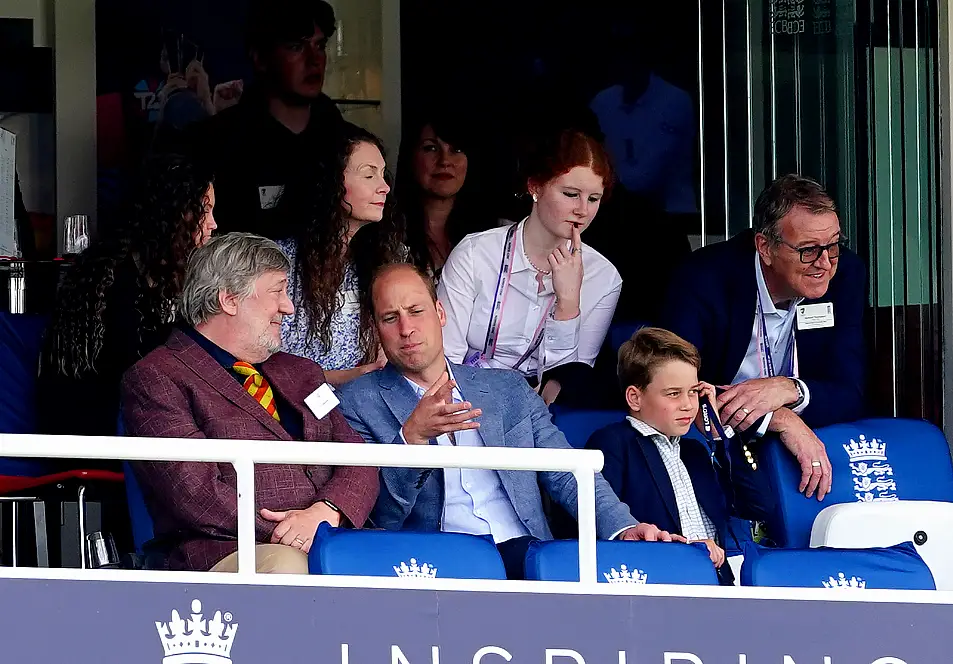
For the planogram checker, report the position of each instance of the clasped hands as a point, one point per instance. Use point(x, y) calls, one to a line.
point(296, 528)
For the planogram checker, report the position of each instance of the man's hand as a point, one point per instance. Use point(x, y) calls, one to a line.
point(715, 552)
point(807, 448)
point(296, 528)
point(646, 532)
point(436, 414)
point(744, 404)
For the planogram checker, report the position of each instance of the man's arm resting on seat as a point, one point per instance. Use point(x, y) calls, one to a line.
point(194, 494)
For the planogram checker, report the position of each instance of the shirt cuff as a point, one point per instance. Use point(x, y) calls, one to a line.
point(562, 334)
point(619, 532)
point(765, 423)
point(807, 397)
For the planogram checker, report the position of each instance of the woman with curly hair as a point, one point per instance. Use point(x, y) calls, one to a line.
point(117, 302)
point(347, 231)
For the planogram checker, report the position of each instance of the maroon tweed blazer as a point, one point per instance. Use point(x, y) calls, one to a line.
point(180, 391)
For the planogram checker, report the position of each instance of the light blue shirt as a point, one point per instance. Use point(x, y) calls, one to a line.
point(474, 500)
point(780, 324)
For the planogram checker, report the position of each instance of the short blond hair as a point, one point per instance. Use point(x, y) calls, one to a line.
point(648, 349)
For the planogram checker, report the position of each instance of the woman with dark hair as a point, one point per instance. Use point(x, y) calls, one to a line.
point(348, 229)
point(117, 302)
point(436, 189)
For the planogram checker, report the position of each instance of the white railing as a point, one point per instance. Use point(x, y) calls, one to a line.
point(244, 454)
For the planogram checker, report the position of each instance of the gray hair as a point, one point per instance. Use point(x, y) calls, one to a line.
point(782, 196)
point(230, 263)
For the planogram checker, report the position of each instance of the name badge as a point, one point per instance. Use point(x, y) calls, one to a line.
point(322, 401)
point(815, 316)
point(268, 196)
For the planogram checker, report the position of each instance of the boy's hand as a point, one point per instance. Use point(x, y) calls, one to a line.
point(715, 552)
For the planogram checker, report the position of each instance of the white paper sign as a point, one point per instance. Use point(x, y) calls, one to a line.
point(815, 316)
point(322, 401)
point(8, 172)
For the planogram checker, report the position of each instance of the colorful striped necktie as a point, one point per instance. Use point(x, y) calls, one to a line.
point(256, 385)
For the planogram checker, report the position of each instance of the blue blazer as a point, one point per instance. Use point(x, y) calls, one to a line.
point(635, 471)
point(377, 404)
point(711, 303)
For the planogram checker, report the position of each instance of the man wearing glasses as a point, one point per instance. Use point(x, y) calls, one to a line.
point(777, 313)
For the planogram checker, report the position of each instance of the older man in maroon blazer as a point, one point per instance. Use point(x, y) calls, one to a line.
point(221, 375)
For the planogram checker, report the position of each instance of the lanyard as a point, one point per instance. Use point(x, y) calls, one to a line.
point(710, 426)
point(499, 301)
point(766, 357)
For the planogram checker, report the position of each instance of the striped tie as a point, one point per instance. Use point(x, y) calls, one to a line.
point(256, 385)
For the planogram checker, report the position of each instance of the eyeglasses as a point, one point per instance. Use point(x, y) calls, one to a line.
point(813, 253)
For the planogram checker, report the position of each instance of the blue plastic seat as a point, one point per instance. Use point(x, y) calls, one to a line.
point(873, 460)
point(897, 567)
point(578, 425)
point(619, 333)
point(404, 554)
point(624, 562)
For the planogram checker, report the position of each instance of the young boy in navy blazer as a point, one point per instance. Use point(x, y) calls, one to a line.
point(683, 485)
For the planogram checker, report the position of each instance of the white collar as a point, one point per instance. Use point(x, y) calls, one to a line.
point(767, 302)
point(650, 431)
point(420, 389)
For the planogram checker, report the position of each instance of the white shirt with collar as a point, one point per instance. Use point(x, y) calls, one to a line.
point(780, 325)
point(695, 523)
point(474, 500)
point(468, 286)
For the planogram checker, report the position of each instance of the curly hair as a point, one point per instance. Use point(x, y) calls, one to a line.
point(315, 205)
point(157, 236)
point(469, 213)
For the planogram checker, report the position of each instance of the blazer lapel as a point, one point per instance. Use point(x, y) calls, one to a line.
point(284, 383)
point(397, 394)
point(741, 309)
point(206, 368)
point(475, 389)
point(653, 459)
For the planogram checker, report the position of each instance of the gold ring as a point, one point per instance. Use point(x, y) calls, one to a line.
point(298, 539)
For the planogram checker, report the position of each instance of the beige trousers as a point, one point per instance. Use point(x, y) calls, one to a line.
point(269, 559)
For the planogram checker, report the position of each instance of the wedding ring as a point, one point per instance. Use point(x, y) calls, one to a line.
point(746, 411)
point(298, 540)
point(815, 464)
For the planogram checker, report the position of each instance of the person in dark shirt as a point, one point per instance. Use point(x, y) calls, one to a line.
point(117, 302)
point(283, 121)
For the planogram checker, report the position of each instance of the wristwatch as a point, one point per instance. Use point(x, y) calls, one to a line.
point(800, 393)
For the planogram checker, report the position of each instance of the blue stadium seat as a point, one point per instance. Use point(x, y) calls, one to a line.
point(578, 425)
point(624, 562)
point(619, 333)
point(21, 339)
point(404, 554)
point(896, 567)
point(143, 529)
point(873, 460)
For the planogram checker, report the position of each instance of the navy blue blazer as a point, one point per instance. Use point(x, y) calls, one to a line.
point(712, 303)
point(635, 471)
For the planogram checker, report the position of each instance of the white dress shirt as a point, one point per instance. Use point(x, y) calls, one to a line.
point(695, 523)
point(780, 324)
point(468, 286)
point(474, 501)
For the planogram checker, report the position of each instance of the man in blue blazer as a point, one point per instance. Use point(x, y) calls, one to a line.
point(777, 314)
point(420, 398)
